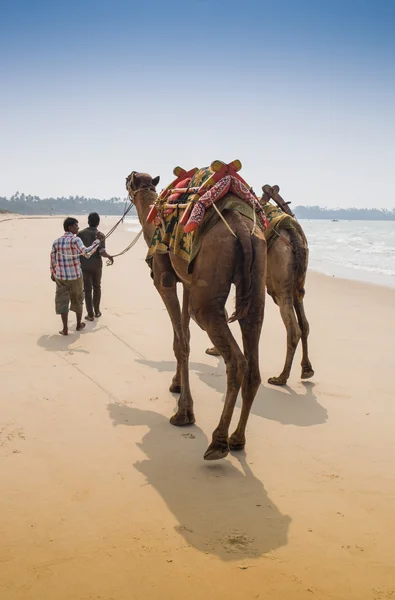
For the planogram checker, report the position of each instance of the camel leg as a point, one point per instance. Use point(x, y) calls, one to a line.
point(251, 330)
point(166, 282)
point(213, 351)
point(293, 336)
point(175, 386)
point(211, 317)
point(235, 362)
point(307, 369)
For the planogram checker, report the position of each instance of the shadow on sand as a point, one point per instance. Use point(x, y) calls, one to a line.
point(283, 405)
point(221, 510)
point(61, 343)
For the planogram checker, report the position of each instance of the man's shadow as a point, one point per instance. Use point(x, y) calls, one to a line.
point(62, 343)
point(221, 510)
point(283, 405)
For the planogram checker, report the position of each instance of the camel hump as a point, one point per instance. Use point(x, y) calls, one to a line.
point(217, 165)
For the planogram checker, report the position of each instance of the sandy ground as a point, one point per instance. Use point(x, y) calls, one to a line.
point(102, 499)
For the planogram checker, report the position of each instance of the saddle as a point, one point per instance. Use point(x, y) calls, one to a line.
point(193, 192)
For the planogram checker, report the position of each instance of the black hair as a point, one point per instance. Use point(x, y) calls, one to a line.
point(93, 220)
point(69, 222)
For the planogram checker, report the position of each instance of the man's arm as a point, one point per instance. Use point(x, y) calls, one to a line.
point(53, 262)
point(103, 251)
point(106, 255)
point(87, 252)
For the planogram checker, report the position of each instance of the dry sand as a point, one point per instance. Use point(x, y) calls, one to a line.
point(102, 499)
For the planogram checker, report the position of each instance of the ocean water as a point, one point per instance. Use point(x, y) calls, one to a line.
point(361, 250)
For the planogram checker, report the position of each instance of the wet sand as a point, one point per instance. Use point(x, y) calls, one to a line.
point(102, 499)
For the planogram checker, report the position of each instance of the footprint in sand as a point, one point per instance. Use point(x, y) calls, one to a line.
point(9, 434)
point(383, 594)
point(234, 542)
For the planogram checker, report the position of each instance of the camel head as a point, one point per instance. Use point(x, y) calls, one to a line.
point(136, 182)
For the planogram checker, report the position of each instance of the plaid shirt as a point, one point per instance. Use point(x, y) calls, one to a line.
point(65, 256)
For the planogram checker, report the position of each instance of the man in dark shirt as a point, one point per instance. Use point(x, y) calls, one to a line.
point(92, 267)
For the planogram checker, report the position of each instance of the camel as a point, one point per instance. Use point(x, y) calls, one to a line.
point(221, 261)
point(287, 261)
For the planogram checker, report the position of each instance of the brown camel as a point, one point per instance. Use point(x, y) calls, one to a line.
point(221, 261)
point(287, 261)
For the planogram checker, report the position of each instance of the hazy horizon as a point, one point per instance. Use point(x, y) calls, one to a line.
point(302, 92)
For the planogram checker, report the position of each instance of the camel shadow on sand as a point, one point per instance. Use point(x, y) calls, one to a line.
point(283, 405)
point(221, 509)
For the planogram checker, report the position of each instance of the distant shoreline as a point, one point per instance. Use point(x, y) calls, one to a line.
point(79, 205)
point(382, 218)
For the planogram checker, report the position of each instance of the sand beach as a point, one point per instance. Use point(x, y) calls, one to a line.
point(102, 499)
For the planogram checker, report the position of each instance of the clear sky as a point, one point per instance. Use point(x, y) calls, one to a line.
point(301, 91)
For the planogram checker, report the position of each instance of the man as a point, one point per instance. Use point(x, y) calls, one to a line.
point(66, 272)
point(92, 267)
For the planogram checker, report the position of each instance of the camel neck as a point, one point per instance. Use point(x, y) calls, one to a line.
point(143, 202)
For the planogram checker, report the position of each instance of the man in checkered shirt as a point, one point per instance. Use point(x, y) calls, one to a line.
point(66, 272)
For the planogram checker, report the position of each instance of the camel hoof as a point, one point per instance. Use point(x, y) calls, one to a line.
point(236, 444)
point(216, 451)
point(175, 388)
point(213, 352)
point(307, 373)
point(277, 381)
point(182, 419)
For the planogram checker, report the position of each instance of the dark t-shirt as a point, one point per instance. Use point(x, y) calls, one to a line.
point(88, 236)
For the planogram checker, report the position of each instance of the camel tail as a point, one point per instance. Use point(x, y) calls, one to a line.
point(244, 270)
point(301, 254)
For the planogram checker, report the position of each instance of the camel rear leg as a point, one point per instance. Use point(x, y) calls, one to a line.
point(307, 369)
point(251, 330)
point(212, 318)
point(213, 351)
point(236, 364)
point(285, 303)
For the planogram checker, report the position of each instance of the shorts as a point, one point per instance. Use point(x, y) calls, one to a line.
point(69, 292)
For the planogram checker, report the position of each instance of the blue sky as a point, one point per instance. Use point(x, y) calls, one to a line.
point(302, 92)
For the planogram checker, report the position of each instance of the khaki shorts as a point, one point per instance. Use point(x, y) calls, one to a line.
point(69, 291)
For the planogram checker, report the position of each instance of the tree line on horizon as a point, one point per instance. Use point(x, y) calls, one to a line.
point(79, 205)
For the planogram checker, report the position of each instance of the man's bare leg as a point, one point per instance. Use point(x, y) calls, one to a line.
point(65, 330)
point(80, 324)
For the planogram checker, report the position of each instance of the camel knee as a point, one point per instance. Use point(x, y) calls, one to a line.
point(181, 346)
point(252, 377)
point(165, 281)
point(236, 367)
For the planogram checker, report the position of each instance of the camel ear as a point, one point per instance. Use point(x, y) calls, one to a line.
point(155, 180)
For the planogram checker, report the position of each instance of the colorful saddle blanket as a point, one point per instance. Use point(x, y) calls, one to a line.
point(182, 213)
point(278, 220)
point(187, 245)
